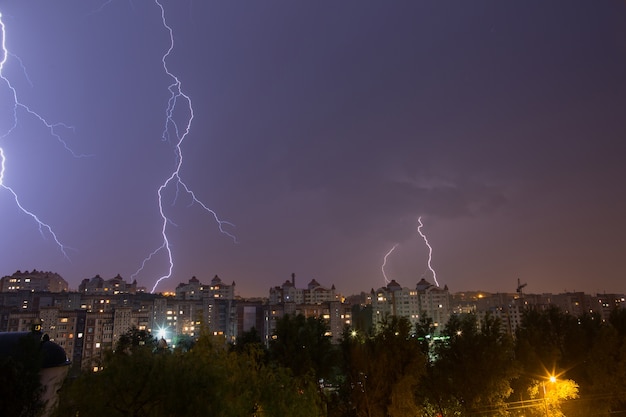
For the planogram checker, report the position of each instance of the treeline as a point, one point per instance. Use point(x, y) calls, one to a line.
point(471, 368)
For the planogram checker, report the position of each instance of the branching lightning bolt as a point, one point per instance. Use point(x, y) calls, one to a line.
point(430, 249)
point(382, 267)
point(176, 133)
point(52, 127)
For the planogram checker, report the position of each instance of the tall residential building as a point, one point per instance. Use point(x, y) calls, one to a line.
point(196, 304)
point(312, 301)
point(192, 290)
point(312, 294)
point(251, 314)
point(116, 285)
point(38, 281)
point(425, 300)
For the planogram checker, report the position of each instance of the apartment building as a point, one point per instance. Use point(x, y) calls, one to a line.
point(425, 300)
point(312, 301)
point(88, 322)
point(38, 281)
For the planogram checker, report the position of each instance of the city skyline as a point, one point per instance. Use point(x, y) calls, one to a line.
point(519, 287)
point(321, 133)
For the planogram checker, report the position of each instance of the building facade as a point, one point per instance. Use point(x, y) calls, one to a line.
point(313, 301)
point(38, 281)
point(424, 301)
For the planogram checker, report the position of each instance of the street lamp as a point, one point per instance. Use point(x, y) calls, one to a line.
point(552, 380)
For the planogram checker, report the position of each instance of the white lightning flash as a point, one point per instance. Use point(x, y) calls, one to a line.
point(175, 132)
point(382, 267)
point(430, 249)
point(52, 127)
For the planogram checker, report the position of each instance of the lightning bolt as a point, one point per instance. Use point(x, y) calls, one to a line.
point(382, 267)
point(430, 249)
point(175, 132)
point(52, 127)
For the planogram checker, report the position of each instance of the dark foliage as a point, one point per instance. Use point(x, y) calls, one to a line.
point(19, 379)
point(468, 368)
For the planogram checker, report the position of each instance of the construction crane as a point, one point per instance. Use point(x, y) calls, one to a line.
point(520, 287)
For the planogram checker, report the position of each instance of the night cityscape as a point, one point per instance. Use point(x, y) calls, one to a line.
point(339, 209)
point(101, 315)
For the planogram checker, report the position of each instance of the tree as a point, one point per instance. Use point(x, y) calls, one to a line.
point(383, 371)
point(551, 342)
point(425, 332)
point(552, 393)
point(250, 340)
point(19, 379)
point(183, 342)
point(605, 366)
point(207, 380)
point(473, 366)
point(133, 339)
point(304, 346)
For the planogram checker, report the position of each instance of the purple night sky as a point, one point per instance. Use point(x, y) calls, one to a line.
point(321, 130)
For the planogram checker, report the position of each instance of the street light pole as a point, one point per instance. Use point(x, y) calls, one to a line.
point(545, 401)
point(552, 379)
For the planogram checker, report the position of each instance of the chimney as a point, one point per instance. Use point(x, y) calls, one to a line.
point(293, 279)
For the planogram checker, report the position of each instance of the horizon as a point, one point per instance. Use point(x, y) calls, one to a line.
point(322, 284)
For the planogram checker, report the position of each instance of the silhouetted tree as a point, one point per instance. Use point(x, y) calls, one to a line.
point(304, 346)
point(208, 380)
point(425, 332)
point(19, 379)
point(605, 366)
point(473, 367)
point(383, 371)
point(133, 339)
point(250, 340)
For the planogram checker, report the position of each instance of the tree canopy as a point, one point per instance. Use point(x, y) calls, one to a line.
point(470, 367)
